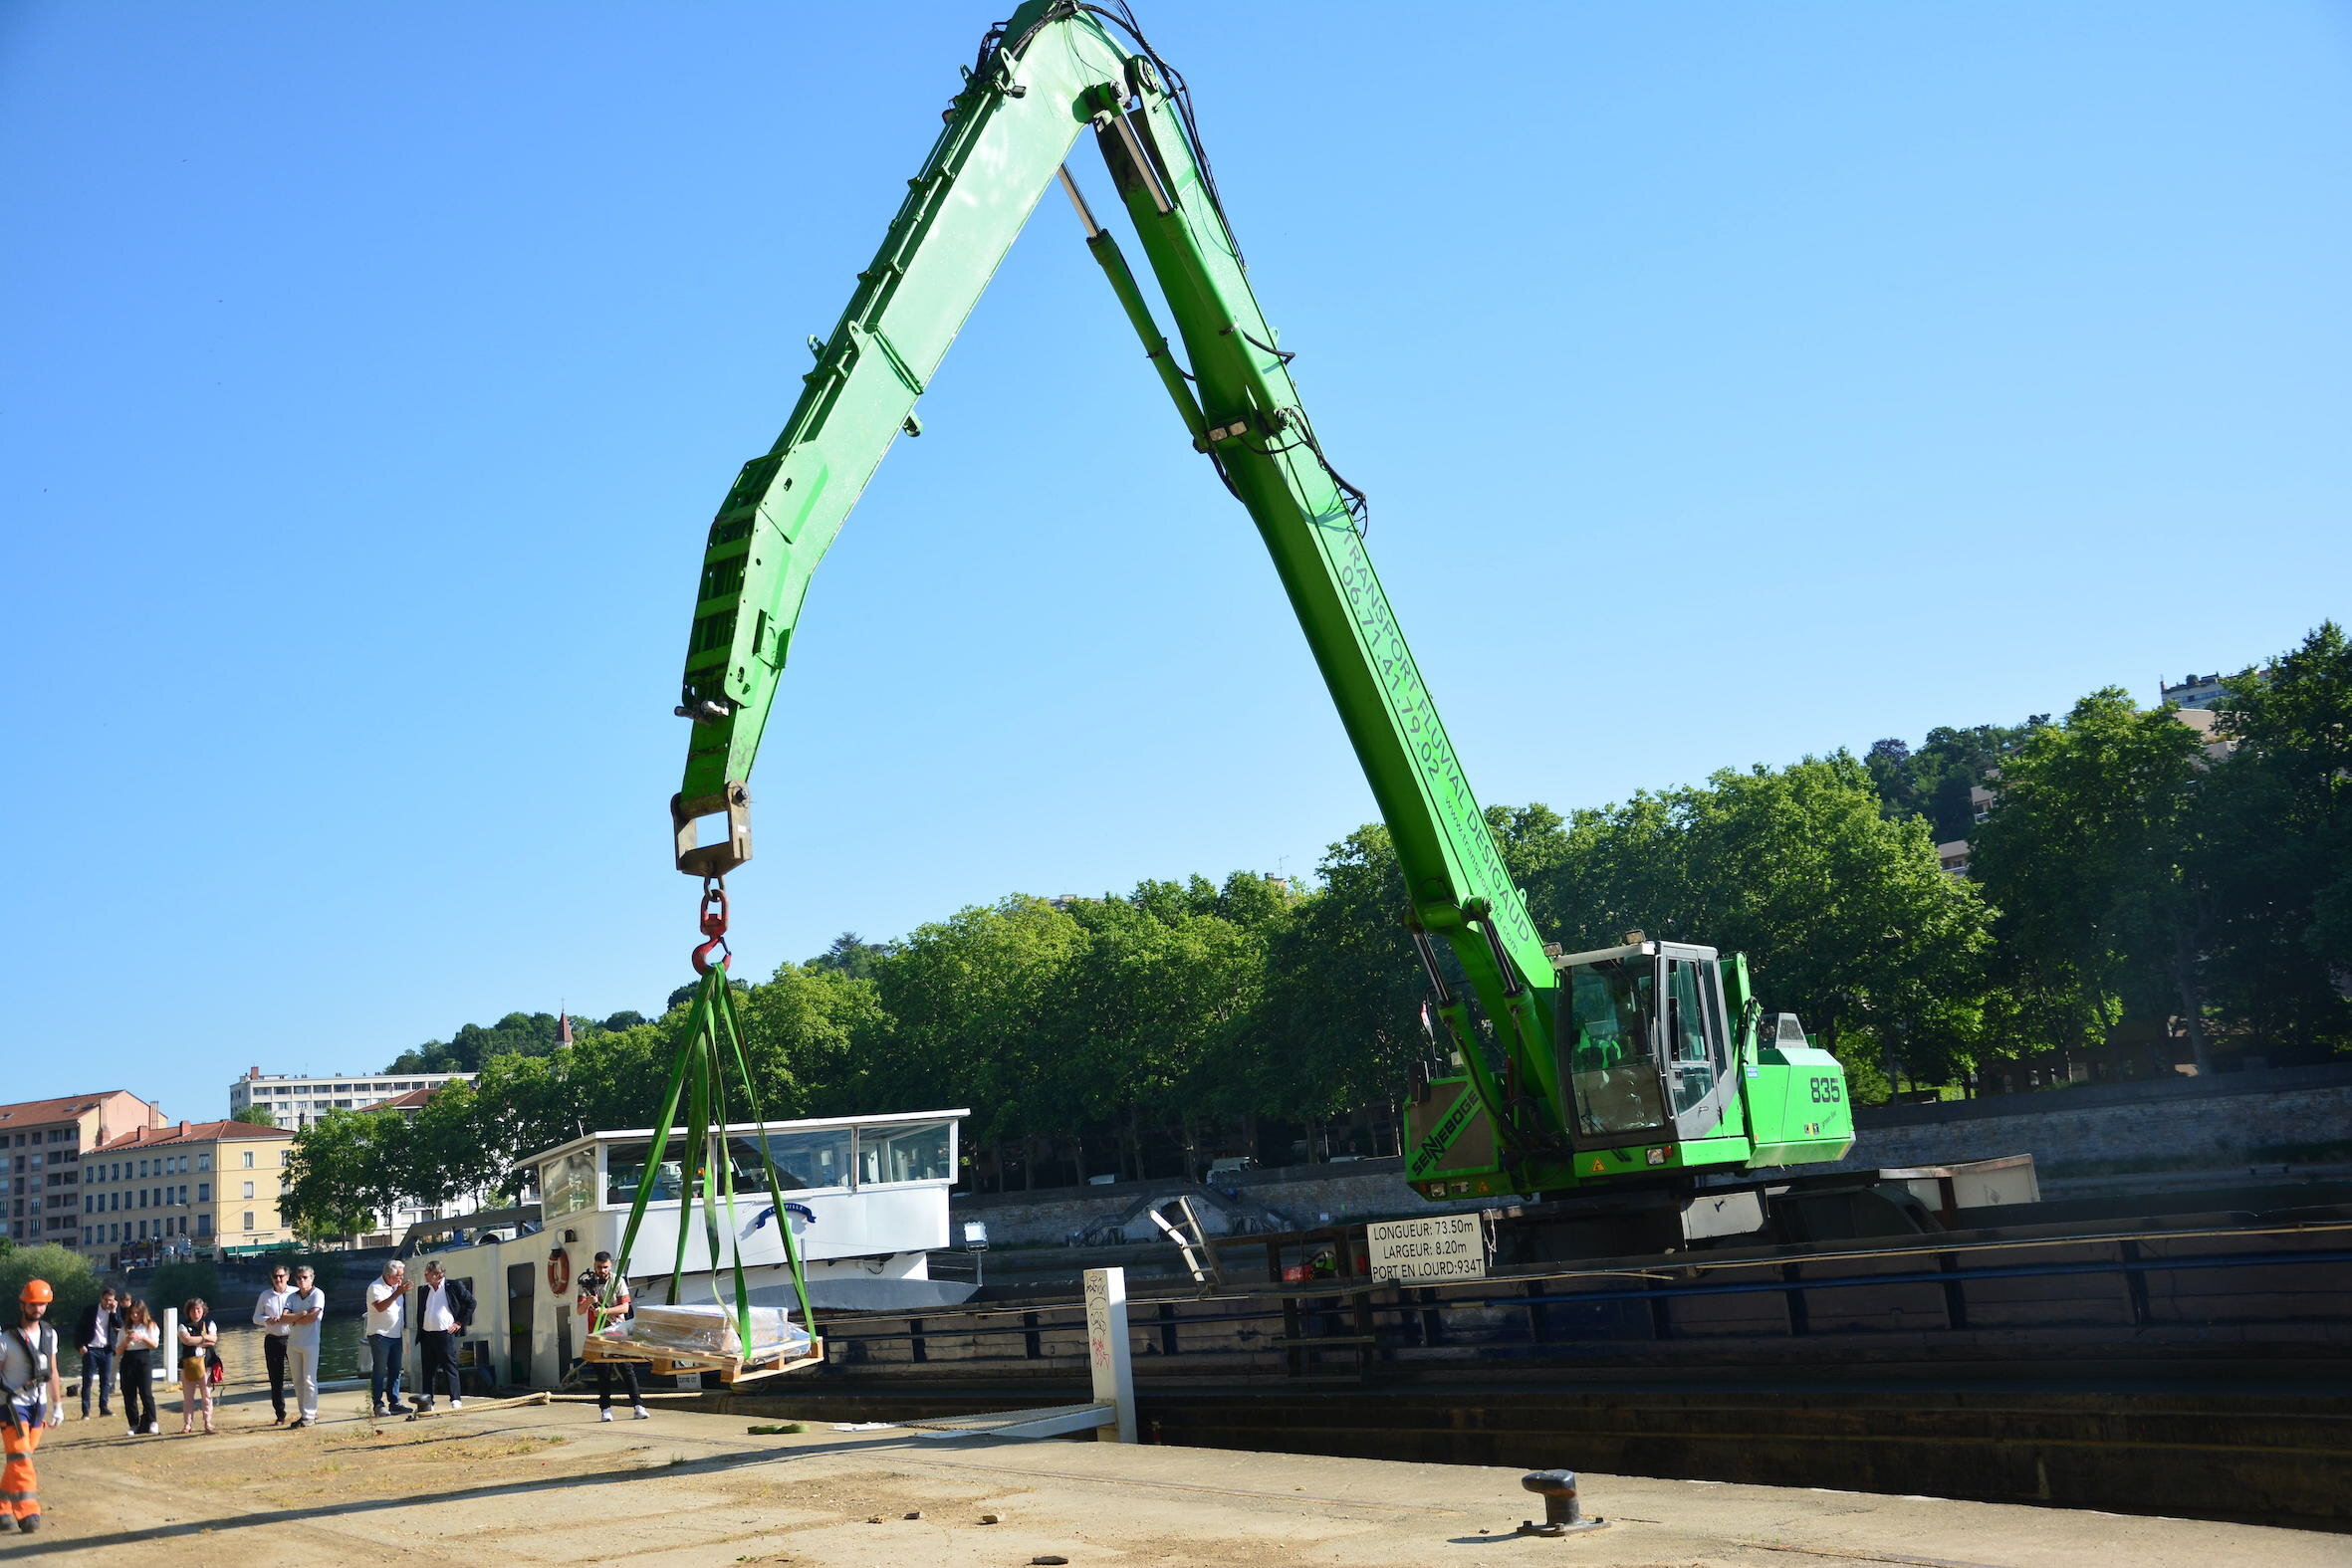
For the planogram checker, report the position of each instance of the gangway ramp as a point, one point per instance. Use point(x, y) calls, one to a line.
point(1051, 1421)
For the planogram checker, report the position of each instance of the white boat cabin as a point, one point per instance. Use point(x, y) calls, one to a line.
point(865, 1197)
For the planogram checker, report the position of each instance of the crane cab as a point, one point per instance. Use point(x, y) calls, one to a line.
point(1645, 1043)
point(1661, 1071)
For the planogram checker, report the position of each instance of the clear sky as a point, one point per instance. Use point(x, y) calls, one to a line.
point(1732, 382)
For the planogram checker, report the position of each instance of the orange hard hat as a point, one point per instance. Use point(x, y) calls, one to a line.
point(37, 1290)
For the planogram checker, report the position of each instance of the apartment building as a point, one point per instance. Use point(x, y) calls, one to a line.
point(2194, 691)
point(43, 1146)
point(187, 1186)
point(297, 1100)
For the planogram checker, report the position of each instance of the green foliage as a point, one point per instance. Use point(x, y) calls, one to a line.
point(1935, 781)
point(2121, 871)
point(255, 1116)
point(1845, 915)
point(2091, 857)
point(344, 1168)
point(2279, 869)
point(177, 1282)
point(516, 1034)
point(69, 1273)
point(852, 955)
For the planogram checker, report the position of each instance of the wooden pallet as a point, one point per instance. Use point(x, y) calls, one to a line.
point(672, 1363)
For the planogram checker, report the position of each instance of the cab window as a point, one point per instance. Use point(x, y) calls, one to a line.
point(1612, 1055)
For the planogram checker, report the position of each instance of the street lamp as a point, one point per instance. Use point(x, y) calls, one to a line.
point(976, 1243)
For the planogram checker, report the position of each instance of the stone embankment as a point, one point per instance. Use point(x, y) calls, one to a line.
point(2232, 1119)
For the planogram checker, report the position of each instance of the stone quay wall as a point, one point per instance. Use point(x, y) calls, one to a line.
point(2230, 1119)
point(2227, 1119)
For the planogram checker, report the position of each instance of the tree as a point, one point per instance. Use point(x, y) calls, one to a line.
point(852, 955)
point(2280, 849)
point(2091, 855)
point(174, 1283)
point(968, 997)
point(518, 1035)
point(69, 1273)
point(1149, 1015)
point(819, 1041)
point(345, 1169)
point(1936, 780)
point(1844, 914)
point(254, 1115)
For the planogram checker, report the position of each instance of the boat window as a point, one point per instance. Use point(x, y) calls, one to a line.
point(805, 1158)
point(624, 1166)
point(903, 1153)
point(567, 1183)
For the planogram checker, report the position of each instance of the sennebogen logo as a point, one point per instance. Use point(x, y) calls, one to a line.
point(1433, 1147)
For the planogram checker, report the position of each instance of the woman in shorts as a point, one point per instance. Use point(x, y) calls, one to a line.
point(199, 1353)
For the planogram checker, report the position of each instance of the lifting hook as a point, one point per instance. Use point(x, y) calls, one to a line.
point(714, 925)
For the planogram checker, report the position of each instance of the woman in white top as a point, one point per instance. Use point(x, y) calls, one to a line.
point(141, 1337)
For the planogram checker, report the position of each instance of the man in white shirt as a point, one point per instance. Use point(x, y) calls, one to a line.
point(388, 1321)
point(305, 1308)
point(268, 1314)
point(444, 1307)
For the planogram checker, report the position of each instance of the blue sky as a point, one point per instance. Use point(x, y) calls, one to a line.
point(1732, 382)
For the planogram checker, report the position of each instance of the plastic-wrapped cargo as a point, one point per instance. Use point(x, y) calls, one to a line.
point(709, 1330)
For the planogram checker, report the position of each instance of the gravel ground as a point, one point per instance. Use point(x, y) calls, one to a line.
point(550, 1484)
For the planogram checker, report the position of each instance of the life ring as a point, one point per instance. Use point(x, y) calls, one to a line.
point(558, 1271)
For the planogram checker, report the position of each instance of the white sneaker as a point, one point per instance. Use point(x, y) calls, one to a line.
point(455, 1402)
point(605, 1414)
point(642, 1413)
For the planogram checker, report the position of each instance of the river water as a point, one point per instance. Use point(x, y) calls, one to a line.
point(241, 1355)
point(338, 1352)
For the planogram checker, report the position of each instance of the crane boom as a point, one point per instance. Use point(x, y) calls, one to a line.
point(1046, 77)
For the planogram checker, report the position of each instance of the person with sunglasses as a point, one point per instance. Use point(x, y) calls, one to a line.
point(270, 1315)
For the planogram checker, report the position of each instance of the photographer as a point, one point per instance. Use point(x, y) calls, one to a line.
point(603, 1299)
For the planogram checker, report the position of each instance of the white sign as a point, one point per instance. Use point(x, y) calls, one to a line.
point(1437, 1246)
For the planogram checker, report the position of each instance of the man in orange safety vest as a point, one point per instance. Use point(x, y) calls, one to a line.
point(32, 1399)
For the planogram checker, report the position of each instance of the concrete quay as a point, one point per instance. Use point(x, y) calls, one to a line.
point(550, 1484)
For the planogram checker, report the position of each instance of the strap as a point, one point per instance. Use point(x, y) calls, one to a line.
point(709, 1038)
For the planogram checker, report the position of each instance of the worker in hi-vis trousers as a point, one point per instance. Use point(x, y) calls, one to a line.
point(31, 1398)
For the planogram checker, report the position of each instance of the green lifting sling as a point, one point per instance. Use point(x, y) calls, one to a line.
point(709, 1040)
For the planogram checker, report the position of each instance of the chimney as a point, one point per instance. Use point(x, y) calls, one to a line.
point(184, 1126)
point(253, 1071)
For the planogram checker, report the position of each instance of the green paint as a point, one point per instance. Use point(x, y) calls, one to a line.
point(1058, 75)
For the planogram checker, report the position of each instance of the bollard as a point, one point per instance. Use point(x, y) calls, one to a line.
point(1562, 1515)
point(1108, 1352)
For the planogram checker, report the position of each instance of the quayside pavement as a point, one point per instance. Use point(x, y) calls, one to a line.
point(550, 1484)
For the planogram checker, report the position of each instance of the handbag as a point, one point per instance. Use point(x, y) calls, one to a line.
point(219, 1373)
point(191, 1368)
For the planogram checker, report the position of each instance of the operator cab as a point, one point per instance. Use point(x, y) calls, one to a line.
point(1646, 1041)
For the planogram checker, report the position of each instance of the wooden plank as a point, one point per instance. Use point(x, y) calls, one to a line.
point(670, 1363)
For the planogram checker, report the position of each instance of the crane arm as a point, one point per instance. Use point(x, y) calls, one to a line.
point(1054, 72)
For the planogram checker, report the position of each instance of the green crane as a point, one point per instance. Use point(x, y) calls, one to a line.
point(1643, 1062)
